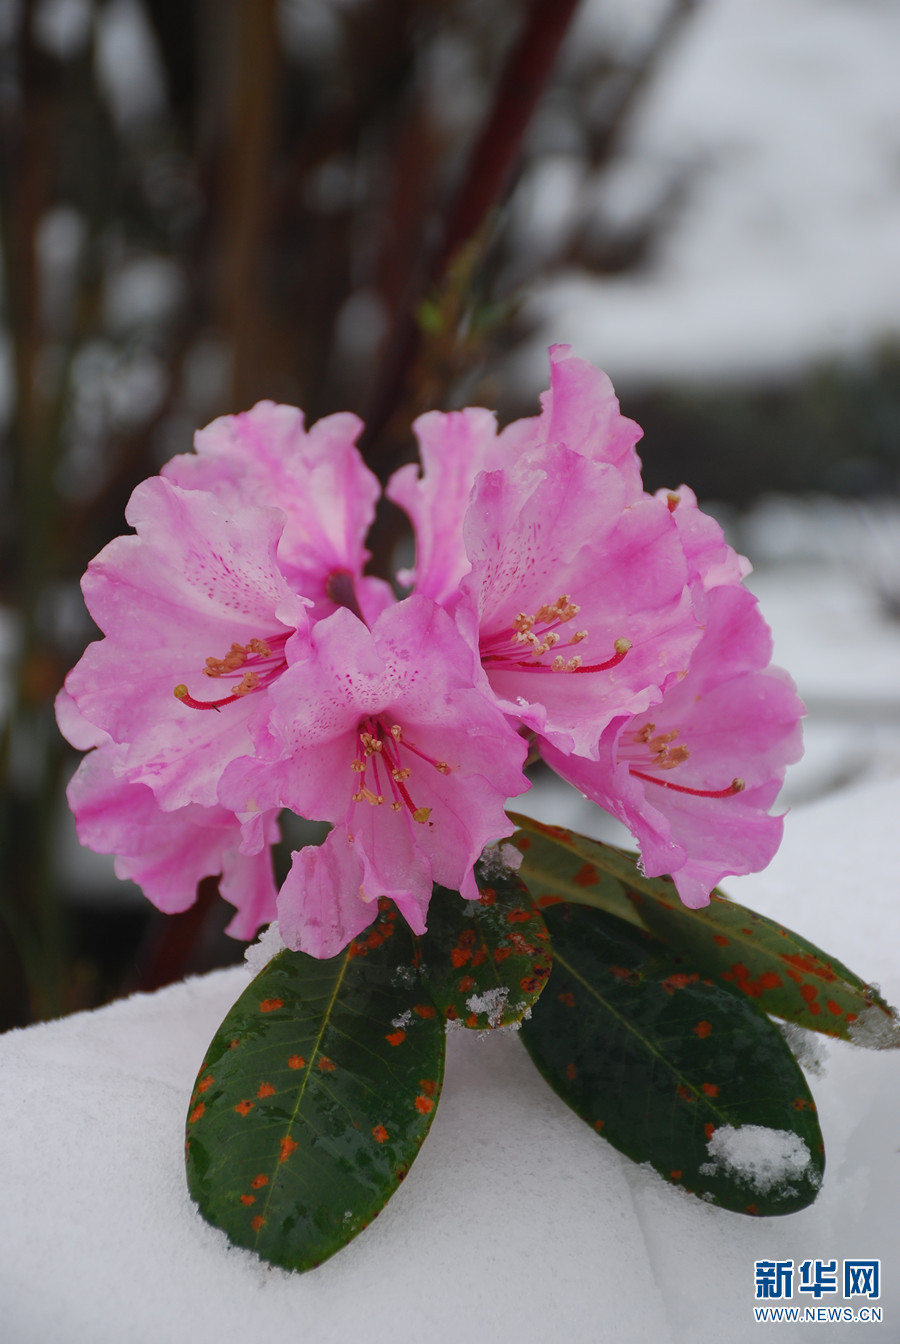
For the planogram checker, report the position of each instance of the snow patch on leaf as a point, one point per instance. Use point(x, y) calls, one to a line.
point(766, 1159)
point(268, 945)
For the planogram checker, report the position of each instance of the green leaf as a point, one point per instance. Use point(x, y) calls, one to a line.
point(486, 962)
point(782, 972)
point(668, 1065)
point(315, 1096)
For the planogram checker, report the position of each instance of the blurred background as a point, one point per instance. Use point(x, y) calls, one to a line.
point(392, 205)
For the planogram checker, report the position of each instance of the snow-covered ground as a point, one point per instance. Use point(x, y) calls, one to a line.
point(516, 1218)
point(783, 119)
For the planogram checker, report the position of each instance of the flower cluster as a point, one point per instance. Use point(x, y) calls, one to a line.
point(249, 665)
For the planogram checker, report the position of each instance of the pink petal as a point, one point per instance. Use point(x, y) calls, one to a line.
point(581, 411)
point(317, 477)
point(454, 448)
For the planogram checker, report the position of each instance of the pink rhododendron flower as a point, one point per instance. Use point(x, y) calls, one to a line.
point(694, 778)
point(266, 456)
point(196, 614)
point(248, 664)
point(382, 733)
point(577, 600)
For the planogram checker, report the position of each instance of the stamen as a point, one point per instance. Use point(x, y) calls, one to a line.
point(269, 662)
point(374, 743)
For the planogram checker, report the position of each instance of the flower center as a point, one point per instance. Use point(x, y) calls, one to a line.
point(257, 664)
point(379, 761)
point(654, 751)
point(536, 634)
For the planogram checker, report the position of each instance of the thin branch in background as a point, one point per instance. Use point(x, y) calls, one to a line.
point(483, 186)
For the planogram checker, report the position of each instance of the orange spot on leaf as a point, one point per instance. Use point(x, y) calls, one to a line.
point(424, 1010)
point(680, 980)
point(325, 1064)
point(206, 1083)
point(424, 1105)
point(518, 916)
point(428, 1086)
point(288, 1146)
point(248, 1199)
point(711, 1089)
point(598, 1125)
point(459, 956)
point(296, 1062)
point(488, 896)
point(812, 965)
point(196, 1112)
point(395, 1038)
point(586, 876)
point(675, 1175)
point(259, 1181)
point(808, 992)
point(244, 1107)
point(834, 1007)
point(380, 1134)
point(702, 1029)
point(709, 1129)
point(265, 1090)
point(467, 982)
point(684, 1092)
point(721, 940)
point(567, 999)
point(571, 1072)
point(271, 1005)
point(257, 1222)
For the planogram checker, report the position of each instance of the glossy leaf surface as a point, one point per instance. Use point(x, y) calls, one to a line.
point(782, 972)
point(315, 1096)
point(486, 962)
point(667, 1066)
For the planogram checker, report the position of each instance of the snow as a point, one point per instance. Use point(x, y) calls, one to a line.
point(764, 1158)
point(781, 118)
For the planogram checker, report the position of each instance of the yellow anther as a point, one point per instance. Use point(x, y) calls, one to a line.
point(396, 807)
point(421, 815)
point(622, 645)
point(573, 664)
point(396, 732)
point(442, 766)
point(358, 766)
point(578, 636)
point(181, 692)
point(559, 663)
point(249, 682)
point(402, 773)
point(738, 785)
point(261, 647)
